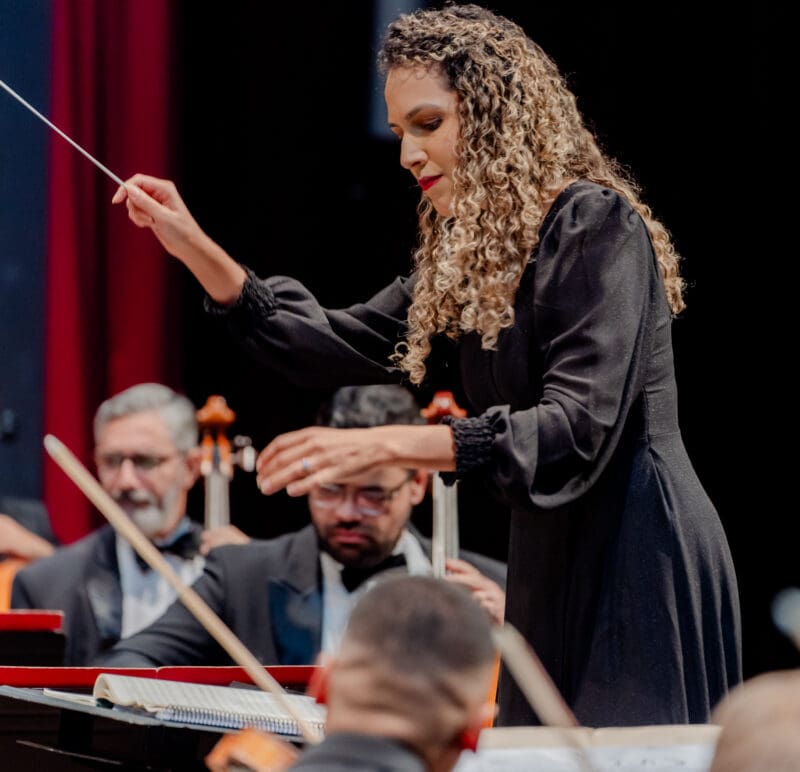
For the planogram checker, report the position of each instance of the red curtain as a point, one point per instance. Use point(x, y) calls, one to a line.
point(112, 292)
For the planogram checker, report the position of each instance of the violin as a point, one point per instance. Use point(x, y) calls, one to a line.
point(218, 458)
point(444, 537)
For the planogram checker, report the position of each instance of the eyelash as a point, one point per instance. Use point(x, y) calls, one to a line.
point(431, 125)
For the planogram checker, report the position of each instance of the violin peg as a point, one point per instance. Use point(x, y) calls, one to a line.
point(442, 404)
point(245, 456)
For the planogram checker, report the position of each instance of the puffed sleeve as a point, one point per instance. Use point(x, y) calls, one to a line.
point(594, 293)
point(280, 323)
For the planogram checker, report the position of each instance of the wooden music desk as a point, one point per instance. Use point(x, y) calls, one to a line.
point(44, 733)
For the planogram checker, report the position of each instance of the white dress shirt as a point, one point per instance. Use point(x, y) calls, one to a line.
point(145, 595)
point(337, 602)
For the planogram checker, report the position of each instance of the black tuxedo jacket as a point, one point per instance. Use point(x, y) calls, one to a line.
point(82, 580)
point(267, 592)
point(352, 752)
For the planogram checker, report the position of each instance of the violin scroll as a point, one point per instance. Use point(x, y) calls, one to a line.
point(443, 404)
point(245, 454)
point(218, 457)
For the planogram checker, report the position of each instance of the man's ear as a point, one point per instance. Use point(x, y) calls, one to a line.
point(318, 685)
point(193, 460)
point(419, 485)
point(468, 738)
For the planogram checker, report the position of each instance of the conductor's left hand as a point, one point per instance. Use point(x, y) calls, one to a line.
point(297, 461)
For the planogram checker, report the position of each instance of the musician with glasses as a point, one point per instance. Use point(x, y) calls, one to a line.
point(144, 438)
point(289, 598)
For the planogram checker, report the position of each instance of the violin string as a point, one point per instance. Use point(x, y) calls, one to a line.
point(58, 131)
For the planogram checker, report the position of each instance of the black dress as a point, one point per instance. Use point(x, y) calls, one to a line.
point(619, 572)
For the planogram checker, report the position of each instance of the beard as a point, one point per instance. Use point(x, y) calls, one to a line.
point(148, 512)
point(358, 555)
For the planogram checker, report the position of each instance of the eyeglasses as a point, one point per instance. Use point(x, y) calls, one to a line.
point(142, 462)
point(369, 501)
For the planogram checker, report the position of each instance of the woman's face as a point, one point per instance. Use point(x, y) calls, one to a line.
point(422, 112)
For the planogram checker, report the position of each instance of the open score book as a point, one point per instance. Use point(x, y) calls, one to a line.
point(224, 707)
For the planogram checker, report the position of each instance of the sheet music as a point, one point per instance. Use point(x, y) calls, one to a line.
point(672, 758)
point(219, 706)
point(76, 697)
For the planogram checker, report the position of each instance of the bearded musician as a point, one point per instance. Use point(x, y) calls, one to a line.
point(145, 438)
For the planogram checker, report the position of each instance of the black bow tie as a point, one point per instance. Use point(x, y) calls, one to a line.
point(353, 576)
point(186, 546)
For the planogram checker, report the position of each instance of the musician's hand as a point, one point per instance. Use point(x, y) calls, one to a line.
point(226, 534)
point(17, 541)
point(486, 592)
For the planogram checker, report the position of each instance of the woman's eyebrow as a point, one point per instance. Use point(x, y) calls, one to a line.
point(414, 110)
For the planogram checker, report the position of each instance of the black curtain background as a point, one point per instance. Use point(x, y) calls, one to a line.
point(277, 164)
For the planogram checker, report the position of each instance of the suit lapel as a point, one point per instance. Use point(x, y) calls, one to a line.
point(295, 602)
point(103, 590)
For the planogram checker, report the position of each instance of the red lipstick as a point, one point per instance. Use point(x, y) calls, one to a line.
point(427, 182)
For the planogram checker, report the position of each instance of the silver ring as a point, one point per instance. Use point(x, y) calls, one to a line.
point(306, 466)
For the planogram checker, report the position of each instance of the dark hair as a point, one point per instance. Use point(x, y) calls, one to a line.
point(421, 624)
point(353, 407)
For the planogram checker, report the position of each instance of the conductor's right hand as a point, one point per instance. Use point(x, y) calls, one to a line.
point(155, 204)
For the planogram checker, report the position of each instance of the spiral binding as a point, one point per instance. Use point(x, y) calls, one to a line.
point(231, 720)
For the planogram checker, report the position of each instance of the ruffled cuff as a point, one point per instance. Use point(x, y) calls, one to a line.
point(256, 299)
point(473, 439)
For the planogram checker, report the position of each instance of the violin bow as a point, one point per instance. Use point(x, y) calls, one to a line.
point(215, 627)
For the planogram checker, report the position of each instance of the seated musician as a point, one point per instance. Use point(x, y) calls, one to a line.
point(290, 597)
point(144, 438)
point(408, 687)
point(406, 691)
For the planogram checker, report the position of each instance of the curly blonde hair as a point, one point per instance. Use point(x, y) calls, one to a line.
point(522, 140)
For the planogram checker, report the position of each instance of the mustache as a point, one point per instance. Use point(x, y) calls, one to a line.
point(135, 496)
point(347, 526)
point(354, 526)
